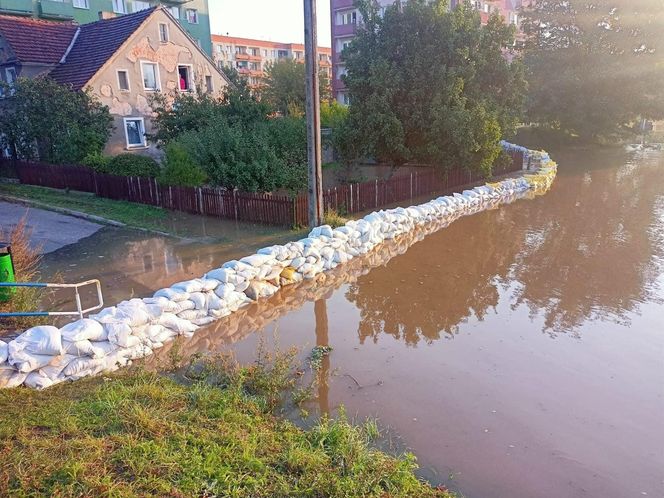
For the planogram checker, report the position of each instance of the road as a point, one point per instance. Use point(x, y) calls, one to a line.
point(49, 230)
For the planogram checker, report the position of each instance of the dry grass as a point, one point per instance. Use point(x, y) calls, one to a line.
point(27, 259)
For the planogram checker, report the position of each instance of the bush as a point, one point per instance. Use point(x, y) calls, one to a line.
point(97, 161)
point(180, 169)
point(133, 165)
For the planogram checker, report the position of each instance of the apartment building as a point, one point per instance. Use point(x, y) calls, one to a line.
point(251, 57)
point(345, 18)
point(193, 15)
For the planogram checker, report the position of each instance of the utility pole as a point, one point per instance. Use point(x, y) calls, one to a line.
point(313, 115)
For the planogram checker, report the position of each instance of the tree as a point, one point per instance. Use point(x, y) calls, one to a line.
point(284, 86)
point(431, 85)
point(595, 66)
point(44, 120)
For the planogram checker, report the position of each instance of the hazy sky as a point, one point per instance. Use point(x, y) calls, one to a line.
point(275, 20)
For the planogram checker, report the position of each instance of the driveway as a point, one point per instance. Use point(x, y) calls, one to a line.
point(50, 230)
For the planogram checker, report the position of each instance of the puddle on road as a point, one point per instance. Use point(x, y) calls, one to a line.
point(518, 352)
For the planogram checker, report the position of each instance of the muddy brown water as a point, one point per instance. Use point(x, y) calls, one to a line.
point(517, 352)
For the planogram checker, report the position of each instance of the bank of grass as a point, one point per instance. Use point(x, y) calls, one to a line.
point(130, 213)
point(144, 434)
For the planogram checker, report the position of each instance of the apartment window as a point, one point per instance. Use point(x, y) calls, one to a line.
point(192, 16)
point(150, 76)
point(163, 32)
point(123, 80)
point(185, 78)
point(10, 75)
point(264, 53)
point(140, 5)
point(240, 50)
point(81, 4)
point(175, 12)
point(119, 7)
point(219, 49)
point(348, 17)
point(208, 84)
point(134, 132)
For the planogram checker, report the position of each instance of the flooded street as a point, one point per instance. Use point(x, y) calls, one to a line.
point(518, 352)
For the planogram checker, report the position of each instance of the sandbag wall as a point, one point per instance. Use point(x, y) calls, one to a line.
point(45, 355)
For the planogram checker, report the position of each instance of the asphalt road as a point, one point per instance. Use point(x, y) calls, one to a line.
point(50, 230)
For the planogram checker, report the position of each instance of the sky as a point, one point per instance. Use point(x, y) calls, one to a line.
point(274, 20)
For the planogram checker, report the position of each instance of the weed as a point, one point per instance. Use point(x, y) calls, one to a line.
point(334, 219)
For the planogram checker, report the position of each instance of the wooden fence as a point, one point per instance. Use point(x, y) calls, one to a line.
point(259, 208)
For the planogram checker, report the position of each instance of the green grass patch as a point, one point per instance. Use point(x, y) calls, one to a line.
point(132, 214)
point(211, 433)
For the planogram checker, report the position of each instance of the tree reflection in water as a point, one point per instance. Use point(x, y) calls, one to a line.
point(587, 250)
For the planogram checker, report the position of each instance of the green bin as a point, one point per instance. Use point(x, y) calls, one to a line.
point(6, 272)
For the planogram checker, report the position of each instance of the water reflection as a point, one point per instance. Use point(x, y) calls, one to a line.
point(588, 250)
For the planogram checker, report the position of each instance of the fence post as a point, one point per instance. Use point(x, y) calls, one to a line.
point(200, 196)
point(170, 197)
point(411, 184)
point(235, 203)
point(376, 187)
point(351, 199)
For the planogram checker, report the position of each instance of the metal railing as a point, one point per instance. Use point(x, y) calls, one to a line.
point(80, 312)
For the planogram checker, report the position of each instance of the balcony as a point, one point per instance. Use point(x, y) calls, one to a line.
point(243, 70)
point(15, 7)
point(342, 4)
point(343, 30)
point(50, 9)
point(241, 57)
point(255, 58)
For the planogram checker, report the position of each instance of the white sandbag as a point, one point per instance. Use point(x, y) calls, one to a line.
point(10, 377)
point(241, 286)
point(134, 314)
point(191, 315)
point(82, 330)
point(79, 365)
point(258, 290)
point(194, 285)
point(224, 290)
point(222, 275)
point(257, 260)
point(42, 340)
point(206, 320)
point(24, 361)
point(38, 380)
point(169, 320)
point(4, 352)
point(199, 299)
point(82, 348)
point(121, 334)
point(137, 352)
point(214, 302)
point(172, 294)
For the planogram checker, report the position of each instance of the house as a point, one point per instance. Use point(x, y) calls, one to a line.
point(123, 61)
point(193, 15)
point(251, 57)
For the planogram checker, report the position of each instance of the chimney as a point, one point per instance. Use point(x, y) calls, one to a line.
point(105, 15)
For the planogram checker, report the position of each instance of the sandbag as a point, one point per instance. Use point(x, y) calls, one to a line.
point(82, 330)
point(42, 340)
point(37, 380)
point(82, 348)
point(10, 377)
point(121, 334)
point(169, 320)
point(24, 361)
point(4, 352)
point(172, 294)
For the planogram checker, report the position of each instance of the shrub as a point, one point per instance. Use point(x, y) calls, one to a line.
point(180, 169)
point(96, 161)
point(133, 165)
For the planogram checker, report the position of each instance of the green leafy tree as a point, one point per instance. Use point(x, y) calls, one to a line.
point(430, 85)
point(595, 66)
point(284, 86)
point(44, 120)
point(180, 169)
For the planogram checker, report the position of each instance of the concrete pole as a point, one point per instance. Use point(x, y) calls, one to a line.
point(313, 115)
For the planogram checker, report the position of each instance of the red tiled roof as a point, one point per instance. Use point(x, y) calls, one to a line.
point(95, 44)
point(37, 41)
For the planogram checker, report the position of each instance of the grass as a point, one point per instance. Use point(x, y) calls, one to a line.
point(130, 213)
point(334, 219)
point(26, 260)
point(213, 432)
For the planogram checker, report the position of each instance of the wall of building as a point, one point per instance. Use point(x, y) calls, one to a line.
point(145, 46)
point(65, 10)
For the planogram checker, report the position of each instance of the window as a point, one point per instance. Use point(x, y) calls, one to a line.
point(264, 53)
point(140, 5)
point(150, 76)
point(10, 75)
point(163, 32)
point(219, 49)
point(208, 84)
point(175, 11)
point(81, 4)
point(134, 132)
point(123, 80)
point(119, 7)
point(185, 78)
point(348, 17)
point(192, 16)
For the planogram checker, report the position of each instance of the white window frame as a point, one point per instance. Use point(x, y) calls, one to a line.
point(157, 76)
point(120, 6)
point(142, 125)
point(167, 31)
point(195, 12)
point(128, 89)
point(81, 4)
point(175, 11)
point(190, 74)
point(209, 79)
point(8, 71)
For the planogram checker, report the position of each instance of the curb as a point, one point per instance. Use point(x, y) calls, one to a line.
point(78, 214)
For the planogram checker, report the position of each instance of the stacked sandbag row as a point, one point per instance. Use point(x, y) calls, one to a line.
point(45, 355)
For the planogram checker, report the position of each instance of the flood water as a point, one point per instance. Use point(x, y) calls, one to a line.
point(518, 352)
